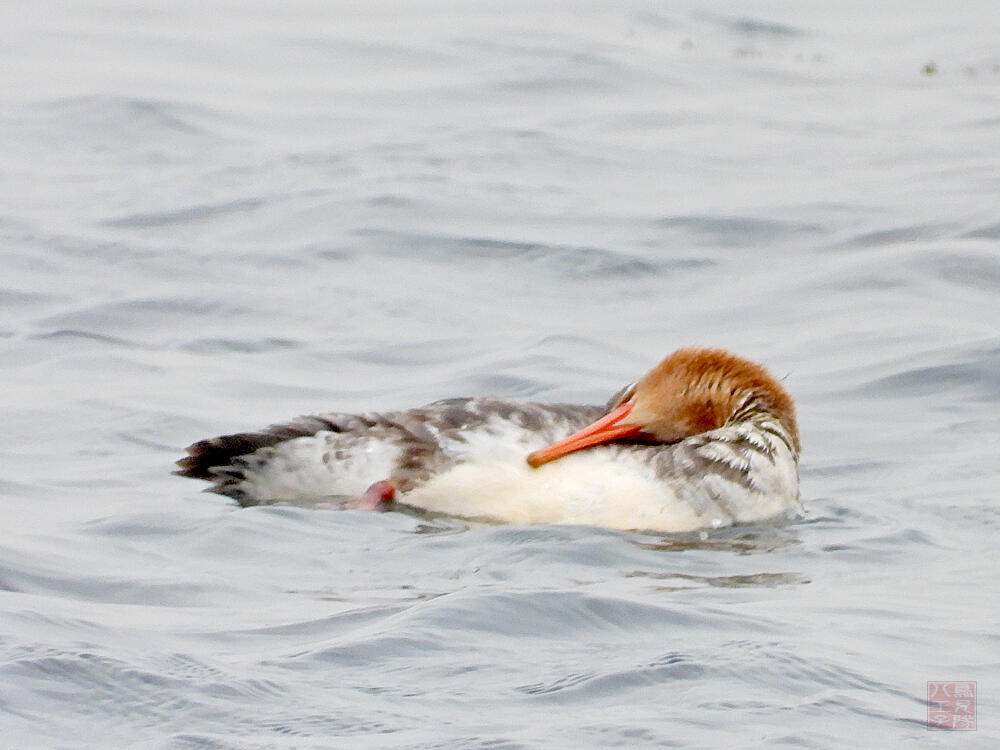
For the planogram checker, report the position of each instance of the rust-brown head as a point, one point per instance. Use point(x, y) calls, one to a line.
point(692, 391)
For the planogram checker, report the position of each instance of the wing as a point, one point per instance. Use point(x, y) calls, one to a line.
point(342, 454)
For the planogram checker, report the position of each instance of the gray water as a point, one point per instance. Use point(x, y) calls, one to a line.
point(216, 215)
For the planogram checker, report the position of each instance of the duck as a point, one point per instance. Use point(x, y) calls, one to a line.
point(706, 439)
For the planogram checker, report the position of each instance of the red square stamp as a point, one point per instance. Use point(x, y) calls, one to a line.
point(951, 705)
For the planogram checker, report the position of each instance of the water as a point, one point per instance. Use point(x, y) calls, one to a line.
point(219, 215)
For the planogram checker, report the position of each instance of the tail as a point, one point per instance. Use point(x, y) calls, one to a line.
point(226, 461)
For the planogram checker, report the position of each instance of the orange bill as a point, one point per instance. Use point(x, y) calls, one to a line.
point(604, 430)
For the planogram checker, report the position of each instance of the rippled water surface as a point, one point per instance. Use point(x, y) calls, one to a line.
point(217, 215)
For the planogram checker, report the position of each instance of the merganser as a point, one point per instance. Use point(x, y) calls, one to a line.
point(705, 439)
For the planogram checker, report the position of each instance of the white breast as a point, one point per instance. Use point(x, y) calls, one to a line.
point(613, 486)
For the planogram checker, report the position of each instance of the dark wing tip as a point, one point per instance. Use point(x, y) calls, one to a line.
point(218, 452)
point(218, 459)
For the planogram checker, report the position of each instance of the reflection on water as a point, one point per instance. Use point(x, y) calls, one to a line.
point(766, 580)
point(738, 539)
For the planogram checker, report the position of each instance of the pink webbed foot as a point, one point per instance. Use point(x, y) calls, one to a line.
point(379, 493)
